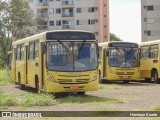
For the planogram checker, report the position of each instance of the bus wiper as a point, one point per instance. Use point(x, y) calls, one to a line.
point(119, 51)
point(67, 49)
point(79, 49)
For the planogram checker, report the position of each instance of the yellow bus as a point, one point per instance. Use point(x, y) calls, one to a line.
point(150, 61)
point(57, 61)
point(118, 61)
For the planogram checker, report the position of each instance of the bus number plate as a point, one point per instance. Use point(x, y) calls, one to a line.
point(74, 87)
point(125, 76)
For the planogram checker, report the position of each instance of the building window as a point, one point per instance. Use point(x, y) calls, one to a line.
point(92, 21)
point(78, 22)
point(150, 33)
point(79, 10)
point(51, 23)
point(58, 23)
point(149, 20)
point(150, 8)
point(58, 10)
point(91, 9)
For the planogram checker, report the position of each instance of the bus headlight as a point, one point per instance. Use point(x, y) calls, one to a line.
point(95, 77)
point(51, 78)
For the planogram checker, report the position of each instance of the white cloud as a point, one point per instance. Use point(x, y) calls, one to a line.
point(125, 21)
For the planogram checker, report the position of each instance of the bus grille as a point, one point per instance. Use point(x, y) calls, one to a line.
point(74, 80)
point(125, 73)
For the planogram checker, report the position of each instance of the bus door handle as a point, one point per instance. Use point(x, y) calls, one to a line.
point(36, 64)
point(155, 61)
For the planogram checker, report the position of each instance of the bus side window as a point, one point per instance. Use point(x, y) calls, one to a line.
point(36, 49)
point(31, 47)
point(154, 51)
point(144, 52)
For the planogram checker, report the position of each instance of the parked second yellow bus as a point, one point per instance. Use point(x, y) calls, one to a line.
point(118, 61)
point(150, 61)
point(56, 61)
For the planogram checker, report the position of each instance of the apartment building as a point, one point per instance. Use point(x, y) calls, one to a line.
point(150, 12)
point(91, 15)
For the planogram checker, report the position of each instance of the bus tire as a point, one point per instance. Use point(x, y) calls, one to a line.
point(80, 93)
point(37, 85)
point(104, 81)
point(148, 80)
point(21, 86)
point(125, 81)
point(155, 77)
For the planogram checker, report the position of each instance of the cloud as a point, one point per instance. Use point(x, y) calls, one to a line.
point(125, 21)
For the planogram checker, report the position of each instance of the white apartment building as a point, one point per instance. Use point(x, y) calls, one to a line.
point(91, 15)
point(150, 12)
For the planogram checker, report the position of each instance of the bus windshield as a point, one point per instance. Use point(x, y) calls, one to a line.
point(123, 57)
point(72, 56)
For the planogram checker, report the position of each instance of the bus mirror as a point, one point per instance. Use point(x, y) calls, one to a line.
point(44, 49)
point(107, 53)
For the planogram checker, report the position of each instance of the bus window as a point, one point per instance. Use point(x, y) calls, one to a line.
point(31, 47)
point(36, 49)
point(71, 56)
point(126, 57)
point(154, 51)
point(145, 52)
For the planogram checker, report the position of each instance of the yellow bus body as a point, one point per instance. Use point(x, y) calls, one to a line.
point(115, 73)
point(27, 72)
point(149, 62)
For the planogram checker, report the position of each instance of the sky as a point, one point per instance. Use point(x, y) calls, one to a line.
point(125, 19)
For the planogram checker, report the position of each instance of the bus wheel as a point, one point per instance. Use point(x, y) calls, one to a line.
point(155, 77)
point(148, 80)
point(37, 86)
point(21, 86)
point(125, 81)
point(103, 81)
point(80, 93)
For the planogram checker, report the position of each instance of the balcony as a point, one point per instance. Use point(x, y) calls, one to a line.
point(42, 4)
point(70, 14)
point(42, 15)
point(66, 26)
point(67, 3)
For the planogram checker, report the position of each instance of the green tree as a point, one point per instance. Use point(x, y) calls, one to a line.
point(16, 21)
point(113, 37)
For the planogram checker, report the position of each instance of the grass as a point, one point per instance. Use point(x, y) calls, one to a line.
point(4, 78)
point(38, 100)
point(109, 86)
point(88, 99)
point(8, 99)
point(157, 108)
point(29, 99)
